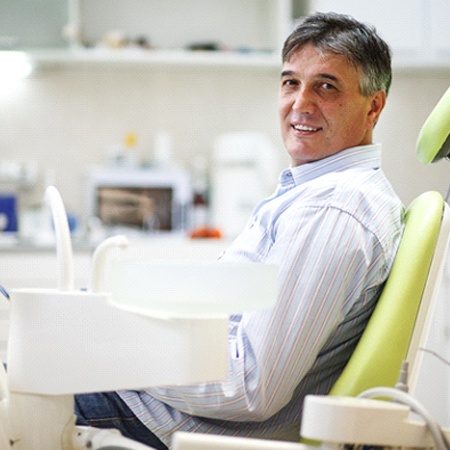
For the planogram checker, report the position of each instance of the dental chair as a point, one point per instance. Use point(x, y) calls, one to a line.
point(387, 354)
point(398, 326)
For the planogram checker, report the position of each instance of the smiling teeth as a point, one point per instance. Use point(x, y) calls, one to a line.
point(305, 128)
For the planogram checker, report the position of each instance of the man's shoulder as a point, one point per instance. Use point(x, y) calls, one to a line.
point(364, 194)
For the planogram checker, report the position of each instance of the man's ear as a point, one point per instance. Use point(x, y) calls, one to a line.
point(377, 105)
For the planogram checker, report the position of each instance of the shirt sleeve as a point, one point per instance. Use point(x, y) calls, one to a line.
point(325, 257)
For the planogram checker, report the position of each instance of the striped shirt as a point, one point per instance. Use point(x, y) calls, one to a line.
point(333, 226)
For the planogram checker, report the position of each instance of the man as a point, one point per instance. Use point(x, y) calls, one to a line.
point(333, 225)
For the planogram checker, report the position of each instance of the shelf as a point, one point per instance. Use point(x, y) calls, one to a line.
point(183, 59)
point(100, 59)
point(117, 59)
point(254, 24)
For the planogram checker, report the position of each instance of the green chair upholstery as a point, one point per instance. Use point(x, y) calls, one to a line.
point(385, 343)
point(400, 321)
point(433, 142)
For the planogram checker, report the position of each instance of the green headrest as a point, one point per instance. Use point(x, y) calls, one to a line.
point(433, 142)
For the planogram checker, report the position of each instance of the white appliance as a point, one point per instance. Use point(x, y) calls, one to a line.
point(146, 199)
point(243, 173)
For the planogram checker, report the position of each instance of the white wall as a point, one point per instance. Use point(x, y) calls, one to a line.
point(412, 98)
point(65, 120)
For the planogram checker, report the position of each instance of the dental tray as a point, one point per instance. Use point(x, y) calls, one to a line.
point(190, 288)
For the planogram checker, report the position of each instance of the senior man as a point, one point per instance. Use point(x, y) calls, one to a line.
point(333, 225)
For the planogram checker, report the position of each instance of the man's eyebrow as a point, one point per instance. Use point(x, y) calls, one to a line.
point(287, 73)
point(326, 76)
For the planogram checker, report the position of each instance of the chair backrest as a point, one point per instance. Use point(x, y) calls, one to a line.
point(433, 142)
point(400, 321)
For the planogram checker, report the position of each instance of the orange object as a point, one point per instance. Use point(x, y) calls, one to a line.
point(205, 232)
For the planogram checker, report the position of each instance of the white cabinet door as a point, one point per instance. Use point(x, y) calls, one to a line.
point(177, 24)
point(398, 22)
point(439, 27)
point(26, 24)
point(417, 31)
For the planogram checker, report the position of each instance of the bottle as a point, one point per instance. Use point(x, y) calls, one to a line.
point(124, 154)
point(200, 214)
point(200, 199)
point(130, 151)
point(163, 156)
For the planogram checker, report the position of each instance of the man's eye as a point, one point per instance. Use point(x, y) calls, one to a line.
point(328, 86)
point(288, 82)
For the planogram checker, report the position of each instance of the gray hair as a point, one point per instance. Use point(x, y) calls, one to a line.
point(343, 35)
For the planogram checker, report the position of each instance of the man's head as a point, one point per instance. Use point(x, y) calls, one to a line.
point(342, 35)
point(334, 82)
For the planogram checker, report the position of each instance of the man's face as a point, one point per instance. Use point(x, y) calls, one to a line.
point(322, 110)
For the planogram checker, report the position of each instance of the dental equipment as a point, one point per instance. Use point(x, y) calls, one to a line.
point(65, 341)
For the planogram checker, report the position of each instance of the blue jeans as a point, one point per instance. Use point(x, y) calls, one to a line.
point(108, 410)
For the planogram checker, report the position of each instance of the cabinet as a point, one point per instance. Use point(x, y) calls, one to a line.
point(238, 34)
point(234, 25)
point(31, 24)
point(235, 33)
point(416, 30)
point(439, 31)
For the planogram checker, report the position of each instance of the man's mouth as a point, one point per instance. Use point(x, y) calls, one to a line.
point(305, 128)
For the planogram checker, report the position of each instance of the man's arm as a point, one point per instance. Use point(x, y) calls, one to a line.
point(327, 260)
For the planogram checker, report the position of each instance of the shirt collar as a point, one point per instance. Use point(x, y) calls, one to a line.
point(368, 156)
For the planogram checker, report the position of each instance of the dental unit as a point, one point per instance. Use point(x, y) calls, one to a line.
point(65, 341)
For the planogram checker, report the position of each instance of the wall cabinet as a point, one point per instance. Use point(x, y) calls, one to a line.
point(235, 25)
point(232, 33)
point(31, 24)
point(439, 32)
point(416, 30)
point(240, 33)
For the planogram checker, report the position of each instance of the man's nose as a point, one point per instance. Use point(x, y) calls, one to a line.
point(304, 101)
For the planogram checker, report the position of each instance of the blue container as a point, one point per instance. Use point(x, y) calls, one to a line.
point(8, 213)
